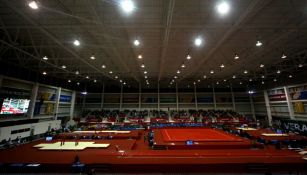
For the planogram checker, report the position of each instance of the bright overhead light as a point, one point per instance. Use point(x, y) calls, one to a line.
point(77, 72)
point(205, 76)
point(45, 58)
point(77, 42)
point(223, 8)
point(188, 57)
point(300, 65)
point(127, 6)
point(69, 81)
point(116, 77)
point(236, 56)
point(145, 77)
point(261, 65)
point(145, 72)
point(234, 77)
point(275, 79)
point(262, 82)
point(78, 83)
point(245, 71)
point(178, 71)
point(262, 76)
point(143, 65)
point(44, 73)
point(124, 83)
point(95, 81)
point(250, 80)
point(92, 57)
point(224, 80)
point(121, 81)
point(84, 93)
point(136, 42)
point(87, 77)
point(140, 56)
point(241, 83)
point(258, 44)
point(283, 56)
point(183, 66)
point(278, 71)
point(222, 66)
point(63, 67)
point(290, 76)
point(110, 72)
point(198, 80)
point(198, 41)
point(212, 72)
point(33, 5)
point(103, 66)
point(194, 82)
point(175, 77)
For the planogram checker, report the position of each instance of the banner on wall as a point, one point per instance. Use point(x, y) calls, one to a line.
point(299, 107)
point(293, 125)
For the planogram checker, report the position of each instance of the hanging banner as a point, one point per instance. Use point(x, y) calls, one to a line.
point(299, 107)
point(293, 125)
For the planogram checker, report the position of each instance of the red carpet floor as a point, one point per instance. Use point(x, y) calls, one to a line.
point(203, 134)
point(137, 156)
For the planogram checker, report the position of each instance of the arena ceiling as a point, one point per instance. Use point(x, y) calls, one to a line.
point(166, 31)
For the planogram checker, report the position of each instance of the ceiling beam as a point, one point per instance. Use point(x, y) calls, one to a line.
point(52, 37)
point(167, 30)
point(254, 7)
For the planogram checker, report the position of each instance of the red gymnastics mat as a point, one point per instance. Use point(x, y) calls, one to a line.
point(200, 134)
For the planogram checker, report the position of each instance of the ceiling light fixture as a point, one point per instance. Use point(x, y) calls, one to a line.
point(63, 67)
point(250, 80)
point(110, 72)
point(175, 77)
point(205, 76)
point(45, 58)
point(245, 71)
point(92, 57)
point(212, 72)
point(258, 44)
point(217, 83)
point(300, 65)
point(261, 65)
point(188, 57)
point(198, 80)
point(183, 66)
point(145, 77)
point(127, 6)
point(77, 72)
point(143, 65)
point(278, 71)
point(116, 77)
point(241, 83)
point(222, 66)
point(136, 42)
point(198, 41)
point(290, 76)
point(95, 81)
point(262, 76)
point(236, 56)
point(33, 5)
point(145, 72)
point(140, 56)
point(78, 83)
point(87, 77)
point(178, 71)
point(69, 81)
point(275, 79)
point(224, 80)
point(103, 66)
point(234, 77)
point(121, 81)
point(77, 42)
point(223, 8)
point(283, 56)
point(44, 73)
point(262, 82)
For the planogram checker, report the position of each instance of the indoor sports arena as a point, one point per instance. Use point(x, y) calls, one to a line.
point(153, 87)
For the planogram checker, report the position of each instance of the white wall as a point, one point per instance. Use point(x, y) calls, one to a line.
point(39, 128)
